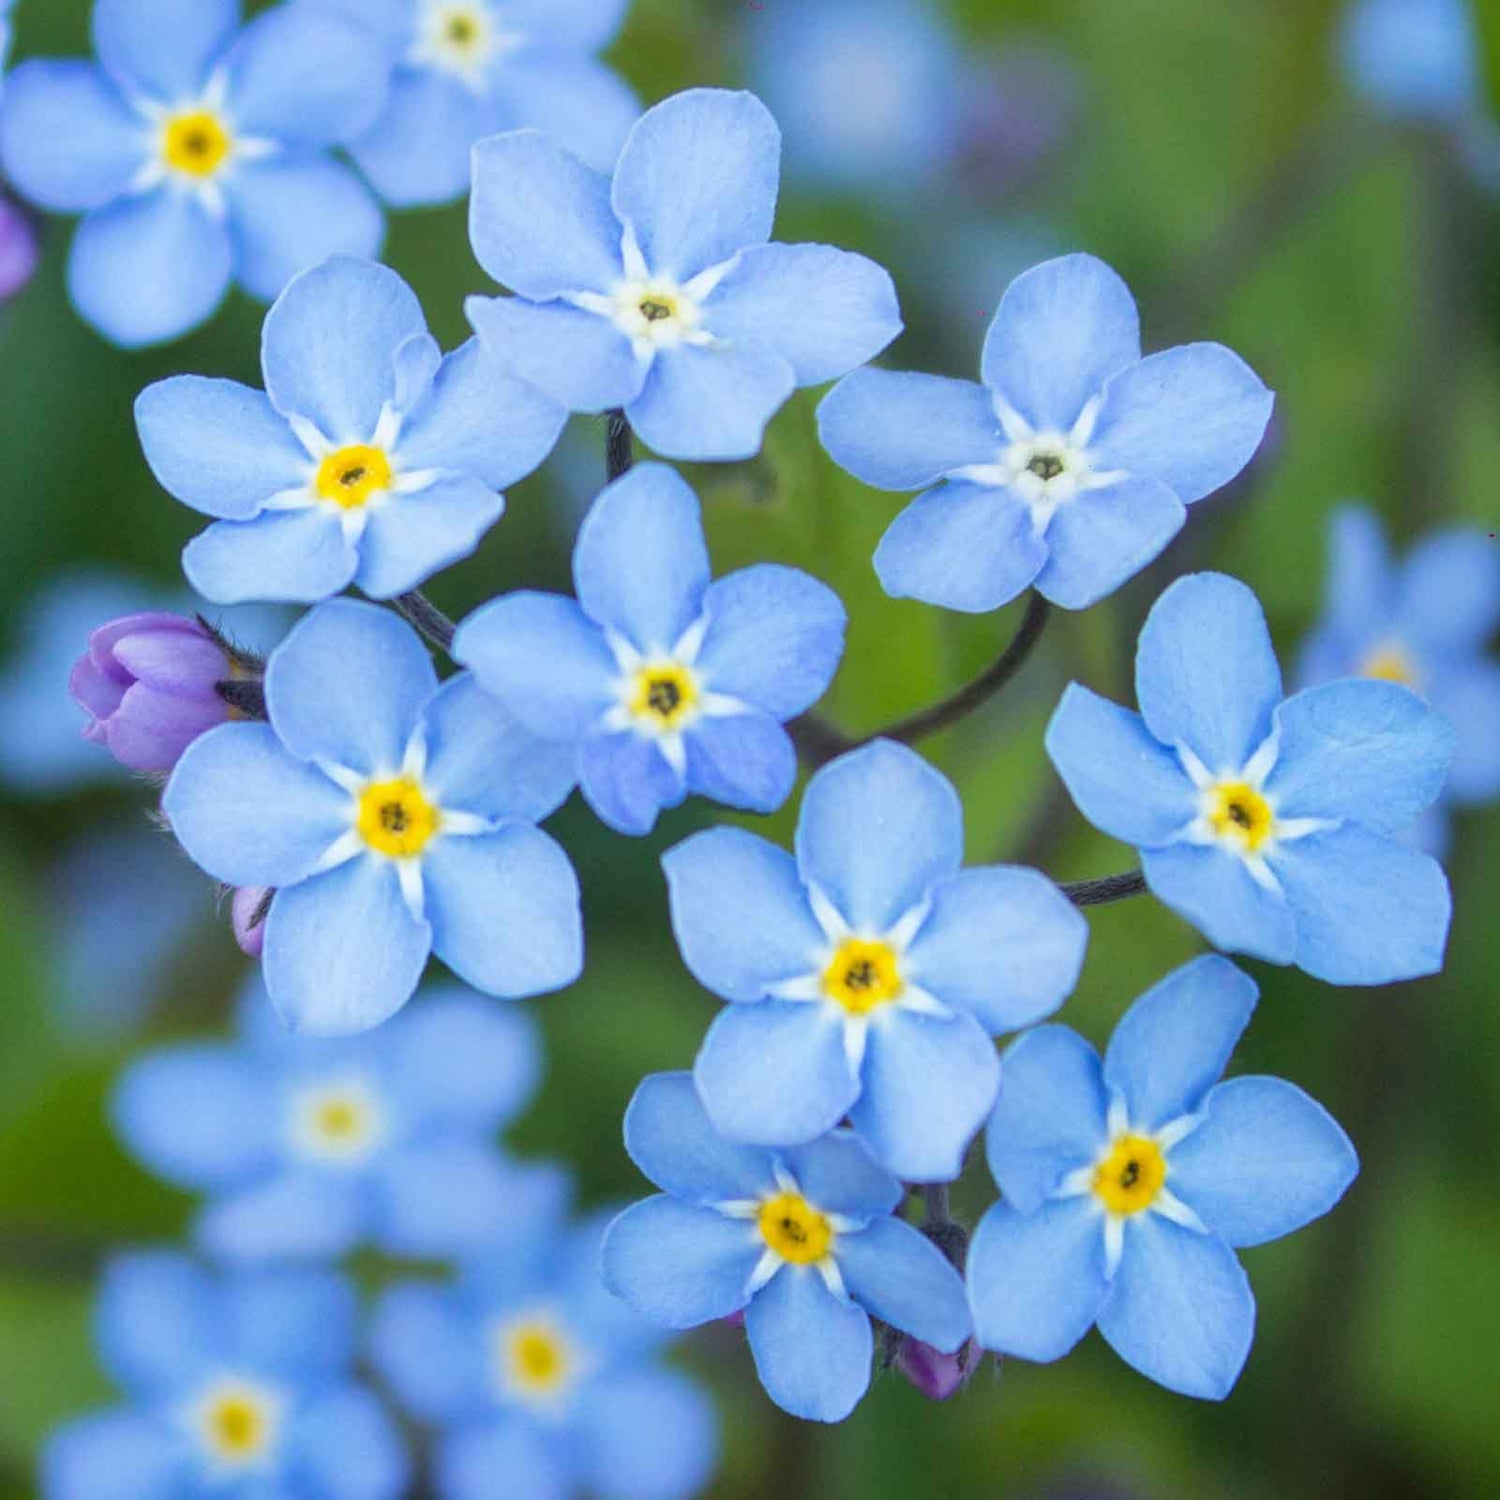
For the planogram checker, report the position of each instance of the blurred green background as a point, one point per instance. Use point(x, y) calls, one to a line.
point(1214, 159)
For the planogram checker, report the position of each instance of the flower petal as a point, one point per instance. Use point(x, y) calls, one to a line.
point(1102, 537)
point(711, 404)
point(426, 1352)
point(418, 152)
point(163, 49)
point(283, 557)
point(812, 1352)
point(156, 1320)
point(345, 1447)
point(126, 1454)
point(411, 537)
point(646, 1432)
point(444, 1199)
point(627, 780)
point(1360, 583)
point(468, 1459)
point(1212, 889)
point(297, 1214)
point(837, 1173)
point(1467, 695)
point(669, 1137)
point(1450, 590)
point(745, 760)
point(298, 1323)
point(898, 1275)
point(580, 102)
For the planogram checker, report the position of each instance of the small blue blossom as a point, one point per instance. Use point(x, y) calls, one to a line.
point(1129, 1186)
point(197, 153)
point(1266, 822)
point(1413, 59)
point(661, 681)
point(805, 1242)
point(658, 292)
point(1069, 469)
point(394, 818)
point(368, 459)
point(539, 1382)
point(236, 1385)
point(867, 974)
point(467, 69)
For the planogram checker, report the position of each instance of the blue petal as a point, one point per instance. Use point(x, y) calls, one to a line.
point(156, 1322)
point(1213, 889)
point(585, 25)
point(627, 780)
point(899, 1276)
point(739, 913)
point(471, 1457)
point(505, 912)
point(115, 1455)
point(812, 1352)
point(898, 431)
point(149, 269)
point(1062, 329)
point(1191, 417)
point(845, 308)
point(744, 760)
point(580, 102)
point(1174, 1043)
point(68, 141)
point(838, 1174)
point(300, 1324)
point(641, 564)
point(247, 812)
point(343, 952)
point(418, 152)
point(646, 1435)
point(163, 49)
point(1468, 696)
point(1368, 911)
point(710, 404)
point(217, 446)
point(1050, 1114)
point(300, 1214)
point(1360, 585)
point(775, 1073)
point(775, 637)
point(1036, 1281)
point(1123, 781)
point(1180, 1309)
point(1206, 674)
point(343, 1446)
point(1413, 58)
point(443, 1198)
point(697, 180)
point(540, 220)
point(1450, 591)
point(348, 686)
point(426, 1352)
point(408, 538)
point(879, 828)
point(678, 1264)
point(962, 546)
point(282, 557)
point(929, 1084)
point(1101, 537)
point(1265, 1161)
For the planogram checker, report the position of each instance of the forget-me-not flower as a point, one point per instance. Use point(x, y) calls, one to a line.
point(197, 153)
point(368, 459)
point(1413, 59)
point(237, 1384)
point(662, 681)
point(539, 1381)
point(1069, 468)
point(804, 1241)
point(1266, 822)
point(867, 974)
point(1129, 1186)
point(658, 292)
point(394, 818)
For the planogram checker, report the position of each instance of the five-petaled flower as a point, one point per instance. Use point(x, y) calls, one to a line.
point(867, 974)
point(664, 681)
point(1128, 1186)
point(1069, 469)
point(393, 817)
point(804, 1241)
point(1265, 822)
point(659, 293)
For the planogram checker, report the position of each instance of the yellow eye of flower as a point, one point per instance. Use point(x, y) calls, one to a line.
point(665, 695)
point(237, 1423)
point(795, 1230)
point(862, 976)
point(1239, 813)
point(349, 477)
point(535, 1359)
point(1131, 1176)
point(655, 309)
point(395, 819)
point(1390, 664)
point(196, 143)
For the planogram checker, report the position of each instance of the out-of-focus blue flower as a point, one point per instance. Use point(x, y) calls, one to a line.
point(1414, 59)
point(659, 293)
point(867, 974)
point(1267, 823)
point(197, 153)
point(661, 680)
point(1128, 1186)
point(393, 817)
point(467, 69)
point(1020, 107)
point(369, 458)
point(19, 251)
point(1425, 624)
point(237, 1384)
point(1069, 469)
point(539, 1381)
point(805, 1241)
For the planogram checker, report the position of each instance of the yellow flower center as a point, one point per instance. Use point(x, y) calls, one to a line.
point(1390, 664)
point(349, 477)
point(1239, 813)
point(795, 1230)
point(339, 1123)
point(238, 1423)
point(665, 695)
point(196, 143)
point(395, 819)
point(535, 1358)
point(1131, 1176)
point(863, 976)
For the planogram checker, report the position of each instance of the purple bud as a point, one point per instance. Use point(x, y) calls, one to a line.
point(935, 1374)
point(18, 248)
point(248, 914)
point(149, 685)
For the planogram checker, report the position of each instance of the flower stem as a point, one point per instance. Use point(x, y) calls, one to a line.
point(1108, 888)
point(419, 610)
point(619, 448)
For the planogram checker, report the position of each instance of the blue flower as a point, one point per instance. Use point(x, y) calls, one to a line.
point(197, 153)
point(867, 974)
point(805, 1242)
point(659, 681)
point(659, 293)
point(1069, 469)
point(1425, 624)
point(393, 817)
point(1265, 822)
point(369, 458)
point(467, 69)
point(539, 1382)
point(1413, 59)
point(1128, 1187)
point(237, 1384)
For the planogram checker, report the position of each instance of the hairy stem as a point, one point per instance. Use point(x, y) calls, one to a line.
point(619, 446)
point(420, 611)
point(1106, 889)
